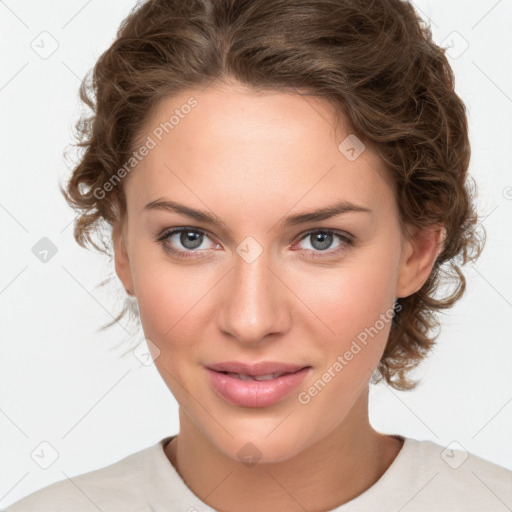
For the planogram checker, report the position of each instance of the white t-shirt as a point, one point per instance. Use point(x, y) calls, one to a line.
point(423, 477)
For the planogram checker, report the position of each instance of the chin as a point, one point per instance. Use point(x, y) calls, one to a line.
point(263, 448)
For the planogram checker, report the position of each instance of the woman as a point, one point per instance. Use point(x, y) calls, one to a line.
point(287, 187)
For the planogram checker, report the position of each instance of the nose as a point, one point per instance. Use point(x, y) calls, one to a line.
point(255, 302)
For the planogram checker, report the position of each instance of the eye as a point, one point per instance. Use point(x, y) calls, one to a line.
point(183, 242)
point(188, 242)
point(321, 241)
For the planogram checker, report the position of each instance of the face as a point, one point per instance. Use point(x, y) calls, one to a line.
point(255, 286)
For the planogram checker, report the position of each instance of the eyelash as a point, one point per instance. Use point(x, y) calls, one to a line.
point(347, 242)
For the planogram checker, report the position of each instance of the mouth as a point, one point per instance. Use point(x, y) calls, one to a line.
point(255, 390)
point(265, 369)
point(259, 378)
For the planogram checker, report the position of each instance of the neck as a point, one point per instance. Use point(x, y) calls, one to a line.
point(333, 471)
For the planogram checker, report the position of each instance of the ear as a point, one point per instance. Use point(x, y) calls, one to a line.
point(121, 259)
point(418, 257)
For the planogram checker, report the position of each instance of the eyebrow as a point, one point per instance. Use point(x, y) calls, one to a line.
point(338, 208)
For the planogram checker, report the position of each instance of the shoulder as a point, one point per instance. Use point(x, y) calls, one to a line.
point(114, 487)
point(453, 477)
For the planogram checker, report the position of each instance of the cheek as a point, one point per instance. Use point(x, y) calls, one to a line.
point(168, 294)
point(356, 303)
point(358, 307)
point(349, 300)
point(166, 301)
point(174, 309)
point(171, 307)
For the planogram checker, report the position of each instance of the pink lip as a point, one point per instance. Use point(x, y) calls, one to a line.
point(248, 393)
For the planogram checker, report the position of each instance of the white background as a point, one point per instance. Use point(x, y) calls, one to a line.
point(63, 382)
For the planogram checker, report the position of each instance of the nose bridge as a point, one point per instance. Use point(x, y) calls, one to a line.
point(254, 305)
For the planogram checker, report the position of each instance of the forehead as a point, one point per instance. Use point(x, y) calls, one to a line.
point(247, 145)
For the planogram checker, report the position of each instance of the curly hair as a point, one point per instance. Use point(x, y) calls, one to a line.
point(376, 64)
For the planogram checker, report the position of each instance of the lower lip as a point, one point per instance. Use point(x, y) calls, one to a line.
point(253, 393)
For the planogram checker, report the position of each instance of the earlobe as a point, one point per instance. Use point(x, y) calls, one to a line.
point(419, 254)
point(121, 258)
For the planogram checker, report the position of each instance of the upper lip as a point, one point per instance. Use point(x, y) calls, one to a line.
point(255, 369)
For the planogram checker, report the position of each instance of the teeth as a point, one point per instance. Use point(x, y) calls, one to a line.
point(269, 376)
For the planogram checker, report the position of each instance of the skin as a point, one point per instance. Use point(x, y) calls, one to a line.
point(252, 159)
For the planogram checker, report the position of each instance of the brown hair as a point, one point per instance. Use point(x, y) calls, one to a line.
point(373, 60)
